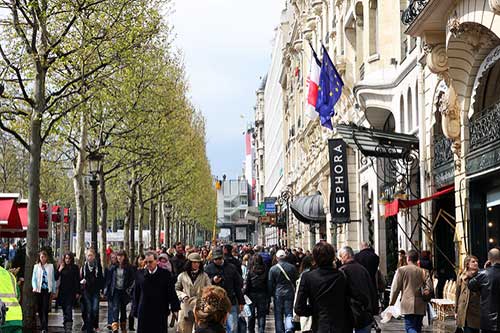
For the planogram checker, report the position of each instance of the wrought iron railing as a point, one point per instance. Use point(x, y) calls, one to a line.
point(411, 13)
point(485, 129)
point(442, 151)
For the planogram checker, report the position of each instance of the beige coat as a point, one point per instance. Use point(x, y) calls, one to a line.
point(185, 287)
point(467, 305)
point(409, 281)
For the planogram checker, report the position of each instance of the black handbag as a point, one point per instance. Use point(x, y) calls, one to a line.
point(296, 324)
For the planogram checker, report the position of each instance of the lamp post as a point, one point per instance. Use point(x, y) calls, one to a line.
point(277, 209)
point(94, 159)
point(285, 197)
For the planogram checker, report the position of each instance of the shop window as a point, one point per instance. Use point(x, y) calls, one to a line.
point(493, 218)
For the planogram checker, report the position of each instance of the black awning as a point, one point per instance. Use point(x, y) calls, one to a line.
point(378, 143)
point(309, 209)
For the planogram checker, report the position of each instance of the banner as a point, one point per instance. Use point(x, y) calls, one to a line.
point(339, 195)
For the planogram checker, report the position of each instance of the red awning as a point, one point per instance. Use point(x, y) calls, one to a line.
point(10, 223)
point(56, 213)
point(393, 207)
point(66, 215)
point(22, 207)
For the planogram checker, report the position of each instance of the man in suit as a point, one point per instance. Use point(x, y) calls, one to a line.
point(369, 260)
point(412, 281)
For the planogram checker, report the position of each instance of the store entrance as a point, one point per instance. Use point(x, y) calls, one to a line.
point(485, 215)
point(444, 240)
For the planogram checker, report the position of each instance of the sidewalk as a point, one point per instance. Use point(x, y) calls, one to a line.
point(55, 323)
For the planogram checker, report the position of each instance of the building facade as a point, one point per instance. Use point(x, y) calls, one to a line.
point(232, 210)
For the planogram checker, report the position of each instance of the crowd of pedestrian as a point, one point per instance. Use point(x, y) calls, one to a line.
point(233, 289)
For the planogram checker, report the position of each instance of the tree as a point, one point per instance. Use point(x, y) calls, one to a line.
point(52, 50)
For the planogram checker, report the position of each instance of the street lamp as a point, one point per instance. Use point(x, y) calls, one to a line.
point(94, 159)
point(285, 197)
point(277, 207)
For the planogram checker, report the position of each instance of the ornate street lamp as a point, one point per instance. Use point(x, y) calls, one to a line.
point(94, 159)
point(285, 197)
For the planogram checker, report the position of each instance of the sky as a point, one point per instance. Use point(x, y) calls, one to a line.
point(227, 48)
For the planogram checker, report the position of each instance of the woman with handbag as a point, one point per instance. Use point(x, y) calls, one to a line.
point(256, 290)
point(467, 302)
point(189, 286)
point(119, 290)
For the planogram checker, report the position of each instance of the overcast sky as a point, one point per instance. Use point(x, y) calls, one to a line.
point(227, 46)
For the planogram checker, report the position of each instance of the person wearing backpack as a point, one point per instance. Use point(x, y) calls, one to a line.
point(281, 284)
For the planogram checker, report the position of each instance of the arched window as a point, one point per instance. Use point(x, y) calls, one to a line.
point(401, 114)
point(417, 116)
point(409, 122)
point(373, 27)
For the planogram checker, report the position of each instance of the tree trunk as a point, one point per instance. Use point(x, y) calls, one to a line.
point(33, 197)
point(133, 199)
point(165, 222)
point(158, 223)
point(104, 215)
point(152, 227)
point(79, 190)
point(141, 218)
point(126, 230)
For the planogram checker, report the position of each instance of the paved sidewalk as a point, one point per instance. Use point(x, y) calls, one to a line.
point(55, 323)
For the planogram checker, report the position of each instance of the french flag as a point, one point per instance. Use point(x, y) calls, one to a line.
point(312, 85)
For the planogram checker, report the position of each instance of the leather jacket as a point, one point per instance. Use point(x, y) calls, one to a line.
point(487, 283)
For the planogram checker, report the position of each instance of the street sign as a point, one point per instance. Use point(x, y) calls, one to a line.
point(269, 204)
point(262, 209)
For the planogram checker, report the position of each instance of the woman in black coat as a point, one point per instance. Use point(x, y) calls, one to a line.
point(323, 293)
point(256, 289)
point(69, 288)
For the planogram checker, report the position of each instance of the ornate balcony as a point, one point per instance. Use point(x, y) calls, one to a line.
point(442, 151)
point(485, 129)
point(411, 13)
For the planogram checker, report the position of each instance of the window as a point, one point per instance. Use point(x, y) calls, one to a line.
point(416, 107)
point(401, 114)
point(242, 214)
point(373, 27)
point(409, 124)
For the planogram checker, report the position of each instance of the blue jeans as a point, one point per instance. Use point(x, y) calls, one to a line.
point(283, 314)
point(92, 310)
point(259, 306)
point(232, 320)
point(366, 329)
point(119, 306)
point(413, 323)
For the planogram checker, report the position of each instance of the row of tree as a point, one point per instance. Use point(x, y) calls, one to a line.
point(99, 76)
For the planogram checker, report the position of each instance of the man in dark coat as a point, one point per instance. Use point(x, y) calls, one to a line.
point(229, 258)
point(361, 291)
point(487, 282)
point(179, 260)
point(225, 275)
point(281, 285)
point(323, 294)
point(369, 260)
point(155, 297)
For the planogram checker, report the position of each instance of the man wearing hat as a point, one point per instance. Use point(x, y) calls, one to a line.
point(281, 284)
point(225, 275)
point(189, 286)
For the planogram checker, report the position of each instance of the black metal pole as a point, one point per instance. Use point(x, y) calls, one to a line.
point(93, 184)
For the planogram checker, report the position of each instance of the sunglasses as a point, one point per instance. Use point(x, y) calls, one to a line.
point(149, 261)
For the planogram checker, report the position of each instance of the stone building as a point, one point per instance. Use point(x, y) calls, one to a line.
point(422, 88)
point(460, 48)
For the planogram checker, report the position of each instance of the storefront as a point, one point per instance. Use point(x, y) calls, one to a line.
point(483, 163)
